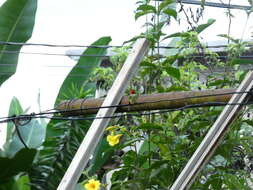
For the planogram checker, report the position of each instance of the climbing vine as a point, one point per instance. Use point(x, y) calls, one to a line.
point(157, 147)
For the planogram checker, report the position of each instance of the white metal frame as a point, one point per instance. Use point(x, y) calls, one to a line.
point(98, 126)
point(214, 136)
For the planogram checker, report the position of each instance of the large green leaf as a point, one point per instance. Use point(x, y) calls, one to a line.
point(202, 27)
point(16, 25)
point(64, 138)
point(173, 72)
point(14, 109)
point(17, 183)
point(83, 68)
point(238, 61)
point(20, 162)
point(33, 133)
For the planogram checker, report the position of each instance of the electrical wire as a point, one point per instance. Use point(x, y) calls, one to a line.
point(53, 112)
point(96, 46)
point(141, 103)
point(102, 56)
point(71, 118)
point(57, 45)
point(53, 54)
point(213, 4)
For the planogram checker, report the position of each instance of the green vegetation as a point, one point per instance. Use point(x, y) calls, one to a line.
point(148, 152)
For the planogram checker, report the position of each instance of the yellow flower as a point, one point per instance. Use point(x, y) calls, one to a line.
point(113, 139)
point(92, 185)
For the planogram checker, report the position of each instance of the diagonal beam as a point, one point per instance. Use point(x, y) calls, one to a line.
point(214, 137)
point(98, 126)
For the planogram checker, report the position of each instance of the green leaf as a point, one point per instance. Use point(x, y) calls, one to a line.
point(16, 25)
point(202, 27)
point(249, 122)
point(129, 158)
point(146, 146)
point(165, 4)
point(67, 136)
point(170, 60)
point(241, 61)
point(142, 13)
point(170, 12)
point(218, 82)
point(33, 135)
point(150, 127)
point(172, 51)
point(21, 162)
point(14, 109)
point(173, 72)
point(229, 38)
point(198, 29)
point(84, 68)
point(9, 184)
point(23, 183)
point(146, 8)
point(176, 88)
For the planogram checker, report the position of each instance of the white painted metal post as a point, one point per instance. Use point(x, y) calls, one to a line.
point(96, 130)
point(213, 137)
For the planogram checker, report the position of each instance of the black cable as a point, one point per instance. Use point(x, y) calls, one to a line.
point(57, 45)
point(17, 119)
point(213, 4)
point(134, 114)
point(95, 46)
point(52, 111)
point(52, 54)
point(17, 124)
point(44, 114)
point(101, 56)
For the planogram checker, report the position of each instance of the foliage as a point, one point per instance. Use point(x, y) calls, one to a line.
point(16, 20)
point(157, 147)
point(148, 152)
point(15, 158)
point(64, 138)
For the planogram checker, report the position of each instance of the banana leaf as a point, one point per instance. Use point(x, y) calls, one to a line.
point(64, 138)
point(16, 25)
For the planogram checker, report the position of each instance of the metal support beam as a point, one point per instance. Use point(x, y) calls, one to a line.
point(214, 137)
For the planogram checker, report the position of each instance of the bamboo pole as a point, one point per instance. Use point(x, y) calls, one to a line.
point(148, 102)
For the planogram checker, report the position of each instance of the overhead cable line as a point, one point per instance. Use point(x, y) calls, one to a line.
point(57, 45)
point(217, 5)
point(53, 54)
point(101, 56)
point(52, 111)
point(28, 117)
point(94, 46)
point(214, 4)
